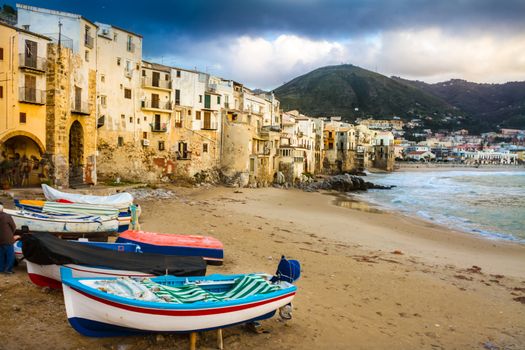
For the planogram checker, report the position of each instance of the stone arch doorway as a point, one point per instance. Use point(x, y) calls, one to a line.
point(76, 154)
point(21, 162)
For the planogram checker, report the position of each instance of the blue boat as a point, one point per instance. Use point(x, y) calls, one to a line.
point(102, 307)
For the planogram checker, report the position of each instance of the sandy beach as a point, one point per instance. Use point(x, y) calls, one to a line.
point(371, 279)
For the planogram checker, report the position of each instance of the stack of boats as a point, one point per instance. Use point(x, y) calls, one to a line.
point(143, 282)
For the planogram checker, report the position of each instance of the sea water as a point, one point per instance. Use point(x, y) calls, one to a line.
point(488, 203)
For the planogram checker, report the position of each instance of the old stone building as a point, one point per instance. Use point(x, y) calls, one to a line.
point(70, 92)
point(121, 125)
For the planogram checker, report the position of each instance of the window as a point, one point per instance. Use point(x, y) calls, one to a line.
point(103, 78)
point(128, 66)
point(207, 101)
point(1, 53)
point(204, 148)
point(218, 100)
point(118, 61)
point(86, 56)
point(167, 77)
point(161, 146)
point(198, 115)
point(120, 141)
point(330, 145)
point(129, 45)
point(143, 72)
point(178, 119)
point(145, 118)
point(103, 100)
point(138, 120)
point(115, 36)
point(189, 111)
point(177, 97)
point(23, 117)
point(127, 93)
point(144, 134)
point(178, 74)
point(200, 98)
point(131, 119)
point(1, 92)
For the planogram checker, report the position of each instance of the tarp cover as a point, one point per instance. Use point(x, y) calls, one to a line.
point(46, 249)
point(119, 200)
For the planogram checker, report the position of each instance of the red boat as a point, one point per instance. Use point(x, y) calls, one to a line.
point(211, 249)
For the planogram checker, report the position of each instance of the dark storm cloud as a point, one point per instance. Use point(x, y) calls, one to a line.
point(196, 20)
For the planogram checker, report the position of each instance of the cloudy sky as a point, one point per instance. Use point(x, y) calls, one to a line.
point(266, 43)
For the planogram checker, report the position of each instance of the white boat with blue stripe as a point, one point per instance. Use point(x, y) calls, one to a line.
point(101, 307)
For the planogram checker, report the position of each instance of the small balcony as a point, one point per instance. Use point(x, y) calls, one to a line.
point(156, 83)
point(157, 105)
point(37, 64)
point(159, 127)
point(183, 155)
point(209, 125)
point(30, 95)
point(80, 107)
point(89, 41)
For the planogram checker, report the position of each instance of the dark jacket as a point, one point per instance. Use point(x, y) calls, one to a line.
point(7, 228)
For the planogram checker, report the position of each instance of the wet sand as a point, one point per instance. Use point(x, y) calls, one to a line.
point(371, 279)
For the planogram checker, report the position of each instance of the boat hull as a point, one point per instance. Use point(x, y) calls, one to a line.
point(61, 224)
point(95, 316)
point(49, 275)
point(209, 248)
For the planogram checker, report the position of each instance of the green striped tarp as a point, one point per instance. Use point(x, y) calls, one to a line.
point(243, 287)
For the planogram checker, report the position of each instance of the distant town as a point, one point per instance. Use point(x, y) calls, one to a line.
point(80, 105)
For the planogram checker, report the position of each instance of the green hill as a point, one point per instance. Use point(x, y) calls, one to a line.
point(339, 90)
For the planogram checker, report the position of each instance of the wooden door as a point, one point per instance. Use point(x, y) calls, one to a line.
point(155, 79)
point(30, 53)
point(30, 88)
point(207, 120)
point(155, 101)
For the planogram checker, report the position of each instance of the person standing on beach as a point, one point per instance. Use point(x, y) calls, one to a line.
point(7, 238)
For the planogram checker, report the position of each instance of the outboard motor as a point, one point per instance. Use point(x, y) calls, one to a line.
point(287, 270)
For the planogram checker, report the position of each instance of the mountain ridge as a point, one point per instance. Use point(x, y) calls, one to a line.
point(339, 90)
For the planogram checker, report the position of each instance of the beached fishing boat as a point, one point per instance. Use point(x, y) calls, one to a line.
point(211, 249)
point(44, 254)
point(124, 217)
point(41, 222)
point(100, 307)
point(119, 200)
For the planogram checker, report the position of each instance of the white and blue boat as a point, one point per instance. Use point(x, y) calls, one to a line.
point(102, 307)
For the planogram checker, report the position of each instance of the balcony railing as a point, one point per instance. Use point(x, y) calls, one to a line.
point(80, 107)
point(183, 155)
point(159, 127)
point(31, 95)
point(157, 83)
point(89, 41)
point(35, 63)
point(156, 104)
point(212, 125)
